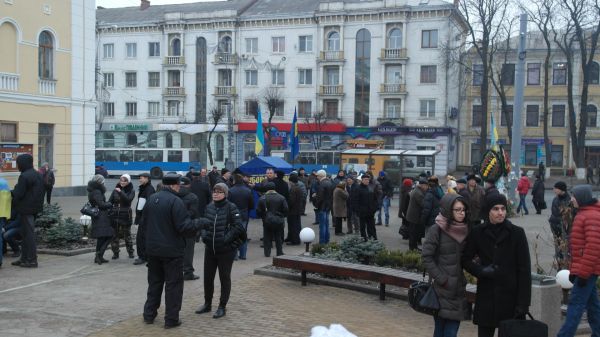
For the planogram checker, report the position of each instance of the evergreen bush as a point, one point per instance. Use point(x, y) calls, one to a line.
point(51, 214)
point(64, 233)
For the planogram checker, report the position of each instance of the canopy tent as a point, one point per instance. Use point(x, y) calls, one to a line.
point(259, 165)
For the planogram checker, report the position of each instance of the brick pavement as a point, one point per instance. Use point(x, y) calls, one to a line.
point(264, 306)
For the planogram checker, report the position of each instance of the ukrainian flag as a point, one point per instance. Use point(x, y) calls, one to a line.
point(294, 141)
point(494, 135)
point(260, 136)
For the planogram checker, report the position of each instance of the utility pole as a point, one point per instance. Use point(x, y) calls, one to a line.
point(515, 148)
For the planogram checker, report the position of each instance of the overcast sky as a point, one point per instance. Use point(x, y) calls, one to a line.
point(131, 3)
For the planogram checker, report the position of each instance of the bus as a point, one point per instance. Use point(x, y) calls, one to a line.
point(328, 160)
point(155, 161)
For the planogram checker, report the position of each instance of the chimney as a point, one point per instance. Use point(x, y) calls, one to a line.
point(145, 4)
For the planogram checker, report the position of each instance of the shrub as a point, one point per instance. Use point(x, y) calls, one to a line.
point(390, 258)
point(412, 260)
point(67, 231)
point(51, 214)
point(321, 248)
point(352, 249)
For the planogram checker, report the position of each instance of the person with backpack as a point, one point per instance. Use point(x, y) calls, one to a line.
point(272, 208)
point(48, 180)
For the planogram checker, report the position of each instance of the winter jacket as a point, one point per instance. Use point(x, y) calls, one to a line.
point(121, 201)
point(523, 185)
point(431, 206)
point(387, 187)
point(190, 200)
point(241, 196)
point(144, 191)
point(167, 224)
point(475, 198)
point(296, 199)
point(340, 196)
point(585, 241)
point(281, 187)
point(558, 204)
point(415, 205)
point(28, 194)
point(272, 202)
point(350, 206)
point(404, 201)
point(221, 227)
point(47, 177)
point(505, 247)
point(101, 225)
point(324, 194)
point(365, 200)
point(202, 190)
point(538, 191)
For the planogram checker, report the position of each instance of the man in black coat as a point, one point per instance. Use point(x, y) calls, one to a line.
point(503, 268)
point(324, 203)
point(167, 225)
point(27, 200)
point(213, 176)
point(201, 189)
point(538, 194)
point(241, 195)
point(190, 200)
point(145, 190)
point(273, 204)
point(365, 201)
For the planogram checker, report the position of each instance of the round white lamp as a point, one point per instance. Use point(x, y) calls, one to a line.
point(307, 235)
point(85, 221)
point(562, 278)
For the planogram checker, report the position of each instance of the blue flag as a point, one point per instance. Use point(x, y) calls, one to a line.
point(294, 141)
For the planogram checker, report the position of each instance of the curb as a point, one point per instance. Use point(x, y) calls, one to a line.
point(73, 252)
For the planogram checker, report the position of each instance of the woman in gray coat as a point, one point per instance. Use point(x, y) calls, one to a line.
point(340, 196)
point(102, 230)
point(442, 250)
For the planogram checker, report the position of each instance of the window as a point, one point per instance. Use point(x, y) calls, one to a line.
point(477, 118)
point(594, 73)
point(175, 47)
point(109, 50)
point(362, 78)
point(507, 74)
point(225, 45)
point(558, 115)
point(326, 144)
point(173, 108)
point(429, 38)
point(174, 78)
point(559, 73)
point(252, 45)
point(153, 109)
point(108, 109)
point(251, 107)
point(131, 139)
point(251, 77)
point(131, 50)
point(393, 74)
point(200, 77)
point(45, 56)
point(220, 148)
point(531, 155)
point(153, 49)
point(153, 79)
point(395, 39)
point(8, 132)
point(277, 77)
point(427, 109)
point(333, 41)
point(305, 43)
point(428, 74)
point(304, 76)
point(279, 109)
point(249, 142)
point(172, 155)
point(131, 109)
point(108, 140)
point(331, 108)
point(506, 116)
point(532, 117)
point(392, 108)
point(592, 115)
point(45, 143)
point(109, 80)
point(557, 155)
point(278, 44)
point(304, 109)
point(332, 76)
point(477, 74)
point(533, 73)
point(130, 79)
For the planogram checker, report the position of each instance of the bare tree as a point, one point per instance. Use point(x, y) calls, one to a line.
point(317, 122)
point(578, 36)
point(216, 115)
point(273, 100)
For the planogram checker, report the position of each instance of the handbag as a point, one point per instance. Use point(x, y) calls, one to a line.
point(543, 205)
point(272, 221)
point(423, 298)
point(522, 328)
point(90, 210)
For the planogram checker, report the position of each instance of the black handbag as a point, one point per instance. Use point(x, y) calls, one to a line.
point(543, 205)
point(522, 328)
point(90, 210)
point(423, 298)
point(273, 221)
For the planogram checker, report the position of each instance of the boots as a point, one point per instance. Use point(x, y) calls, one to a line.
point(99, 259)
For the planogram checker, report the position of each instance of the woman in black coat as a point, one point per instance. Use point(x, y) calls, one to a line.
point(102, 230)
point(121, 215)
point(497, 254)
point(538, 194)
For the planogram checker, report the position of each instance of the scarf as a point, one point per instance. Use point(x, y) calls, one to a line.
point(456, 230)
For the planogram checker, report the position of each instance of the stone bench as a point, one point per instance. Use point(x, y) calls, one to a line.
point(377, 274)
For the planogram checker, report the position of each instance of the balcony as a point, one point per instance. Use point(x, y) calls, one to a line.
point(393, 54)
point(9, 82)
point(331, 90)
point(47, 87)
point(174, 91)
point(393, 89)
point(225, 91)
point(226, 58)
point(332, 56)
point(398, 121)
point(174, 61)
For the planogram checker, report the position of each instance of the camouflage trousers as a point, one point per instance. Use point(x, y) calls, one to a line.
point(122, 231)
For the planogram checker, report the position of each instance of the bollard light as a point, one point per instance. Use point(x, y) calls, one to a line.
point(85, 221)
point(307, 235)
point(562, 278)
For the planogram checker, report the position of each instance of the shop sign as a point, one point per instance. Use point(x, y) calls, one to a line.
point(128, 127)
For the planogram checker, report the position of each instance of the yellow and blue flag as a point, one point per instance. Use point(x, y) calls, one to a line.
point(294, 141)
point(494, 135)
point(260, 136)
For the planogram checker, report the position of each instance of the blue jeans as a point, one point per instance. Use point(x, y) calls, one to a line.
point(522, 203)
point(582, 298)
point(386, 209)
point(445, 327)
point(324, 226)
point(244, 247)
point(12, 230)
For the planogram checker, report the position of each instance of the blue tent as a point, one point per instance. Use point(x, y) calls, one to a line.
point(259, 165)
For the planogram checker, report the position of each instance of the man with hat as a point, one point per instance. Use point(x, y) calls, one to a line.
point(366, 204)
point(224, 177)
point(502, 267)
point(212, 176)
point(585, 263)
point(413, 214)
point(145, 190)
point(167, 225)
point(190, 200)
point(475, 195)
point(560, 204)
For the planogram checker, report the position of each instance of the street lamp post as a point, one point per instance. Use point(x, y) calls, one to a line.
point(85, 221)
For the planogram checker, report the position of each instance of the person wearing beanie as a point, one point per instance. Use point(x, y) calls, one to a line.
point(145, 190)
point(441, 258)
point(167, 225)
point(102, 229)
point(538, 194)
point(560, 205)
point(223, 234)
point(407, 186)
point(502, 269)
point(121, 216)
point(272, 208)
point(241, 195)
point(585, 262)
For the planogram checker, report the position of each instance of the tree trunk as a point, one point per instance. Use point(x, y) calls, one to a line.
point(576, 148)
point(484, 112)
point(208, 148)
point(546, 110)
